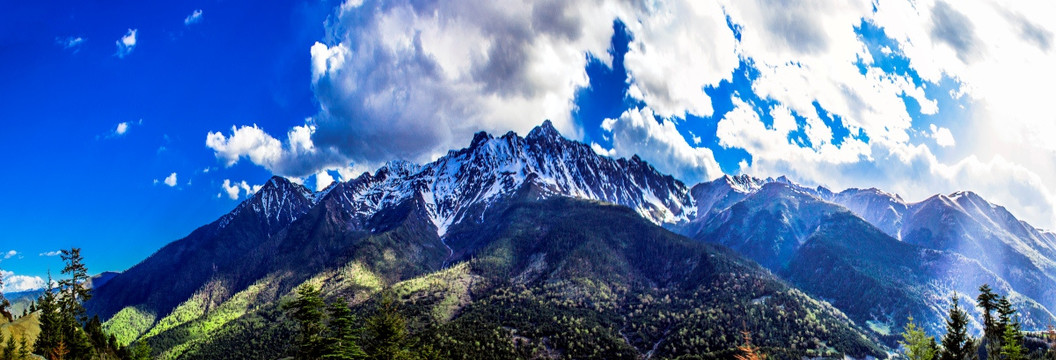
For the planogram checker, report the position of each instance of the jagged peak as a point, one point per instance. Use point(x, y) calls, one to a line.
point(279, 184)
point(479, 138)
point(745, 183)
point(544, 131)
point(871, 190)
point(401, 168)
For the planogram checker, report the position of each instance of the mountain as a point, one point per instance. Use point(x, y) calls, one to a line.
point(494, 210)
point(559, 276)
point(216, 253)
point(965, 223)
point(845, 248)
point(488, 229)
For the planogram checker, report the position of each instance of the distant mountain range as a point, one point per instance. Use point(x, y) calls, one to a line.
point(492, 228)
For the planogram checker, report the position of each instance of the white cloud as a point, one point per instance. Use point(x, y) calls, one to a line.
point(194, 18)
point(170, 180)
point(687, 38)
point(16, 283)
point(10, 254)
point(402, 80)
point(121, 128)
point(637, 131)
point(602, 151)
point(71, 42)
point(943, 137)
point(51, 253)
point(399, 80)
point(322, 180)
point(298, 157)
point(126, 44)
point(742, 128)
point(232, 189)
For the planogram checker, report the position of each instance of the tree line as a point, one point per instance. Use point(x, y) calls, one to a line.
point(1003, 337)
point(66, 332)
point(330, 331)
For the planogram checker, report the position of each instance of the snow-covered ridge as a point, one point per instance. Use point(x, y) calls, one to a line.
point(462, 184)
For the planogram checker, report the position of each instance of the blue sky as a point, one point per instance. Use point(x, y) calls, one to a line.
point(101, 103)
point(73, 181)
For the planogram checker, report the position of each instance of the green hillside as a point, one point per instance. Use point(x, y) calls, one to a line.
point(555, 278)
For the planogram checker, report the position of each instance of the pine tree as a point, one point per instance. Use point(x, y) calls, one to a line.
point(386, 332)
point(9, 349)
point(141, 351)
point(71, 305)
point(918, 345)
point(992, 333)
point(341, 342)
point(1008, 317)
point(50, 330)
point(75, 288)
point(308, 311)
point(23, 349)
point(1013, 346)
point(956, 344)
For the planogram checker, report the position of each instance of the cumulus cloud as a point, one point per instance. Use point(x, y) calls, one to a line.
point(232, 189)
point(121, 128)
point(411, 80)
point(297, 157)
point(16, 283)
point(687, 38)
point(742, 128)
point(637, 131)
point(322, 180)
point(943, 137)
point(51, 253)
point(126, 44)
point(9, 254)
point(194, 18)
point(170, 180)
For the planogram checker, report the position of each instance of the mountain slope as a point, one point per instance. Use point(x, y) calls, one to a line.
point(213, 253)
point(406, 221)
point(967, 224)
point(828, 251)
point(577, 279)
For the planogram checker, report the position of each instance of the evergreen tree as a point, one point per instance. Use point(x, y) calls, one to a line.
point(50, 330)
point(74, 292)
point(9, 349)
point(918, 345)
point(1008, 317)
point(956, 344)
point(386, 332)
point(75, 288)
point(341, 342)
point(141, 351)
point(23, 349)
point(992, 333)
point(1013, 347)
point(307, 309)
point(987, 301)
